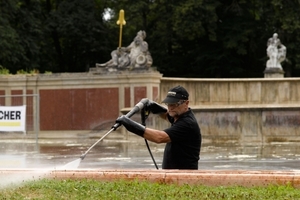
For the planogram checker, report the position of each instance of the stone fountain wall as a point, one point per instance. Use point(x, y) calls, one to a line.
point(259, 109)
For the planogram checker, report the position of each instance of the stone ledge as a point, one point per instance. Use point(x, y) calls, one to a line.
point(201, 177)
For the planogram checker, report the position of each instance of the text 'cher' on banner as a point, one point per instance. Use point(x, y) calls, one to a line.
point(13, 118)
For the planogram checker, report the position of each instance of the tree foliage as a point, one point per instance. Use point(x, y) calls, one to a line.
point(187, 38)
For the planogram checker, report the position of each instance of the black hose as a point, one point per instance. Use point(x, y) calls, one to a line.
point(151, 153)
point(144, 115)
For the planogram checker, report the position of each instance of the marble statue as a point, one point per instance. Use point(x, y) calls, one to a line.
point(276, 52)
point(134, 56)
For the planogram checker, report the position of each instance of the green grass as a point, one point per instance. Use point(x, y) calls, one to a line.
point(92, 189)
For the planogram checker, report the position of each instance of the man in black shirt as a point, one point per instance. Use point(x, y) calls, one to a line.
point(183, 138)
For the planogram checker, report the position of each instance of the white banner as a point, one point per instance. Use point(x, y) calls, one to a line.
point(13, 118)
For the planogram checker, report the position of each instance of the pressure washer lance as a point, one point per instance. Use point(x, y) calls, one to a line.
point(139, 106)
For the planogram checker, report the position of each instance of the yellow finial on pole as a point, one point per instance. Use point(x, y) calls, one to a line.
point(121, 22)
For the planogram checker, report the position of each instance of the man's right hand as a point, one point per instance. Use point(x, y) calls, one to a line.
point(155, 108)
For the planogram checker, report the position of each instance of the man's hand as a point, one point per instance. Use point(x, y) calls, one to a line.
point(155, 108)
point(131, 125)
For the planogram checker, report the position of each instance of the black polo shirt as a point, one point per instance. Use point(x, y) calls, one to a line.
point(184, 149)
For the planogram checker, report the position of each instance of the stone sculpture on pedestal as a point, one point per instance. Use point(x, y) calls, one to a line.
point(276, 53)
point(134, 56)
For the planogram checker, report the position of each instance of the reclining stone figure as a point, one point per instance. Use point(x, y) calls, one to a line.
point(136, 55)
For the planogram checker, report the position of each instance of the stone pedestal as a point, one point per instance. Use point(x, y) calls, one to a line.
point(273, 72)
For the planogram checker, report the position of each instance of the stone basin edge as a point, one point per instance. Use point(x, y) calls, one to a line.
point(246, 178)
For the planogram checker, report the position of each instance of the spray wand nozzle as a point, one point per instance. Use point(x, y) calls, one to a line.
point(82, 156)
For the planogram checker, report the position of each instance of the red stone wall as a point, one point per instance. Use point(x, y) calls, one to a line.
point(16, 101)
point(139, 93)
point(78, 109)
point(127, 96)
point(155, 94)
point(2, 100)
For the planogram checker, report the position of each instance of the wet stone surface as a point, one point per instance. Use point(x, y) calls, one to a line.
point(124, 154)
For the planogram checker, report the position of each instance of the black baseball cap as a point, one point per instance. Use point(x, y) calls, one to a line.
point(176, 94)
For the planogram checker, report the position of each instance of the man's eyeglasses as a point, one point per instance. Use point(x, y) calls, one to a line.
point(174, 105)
